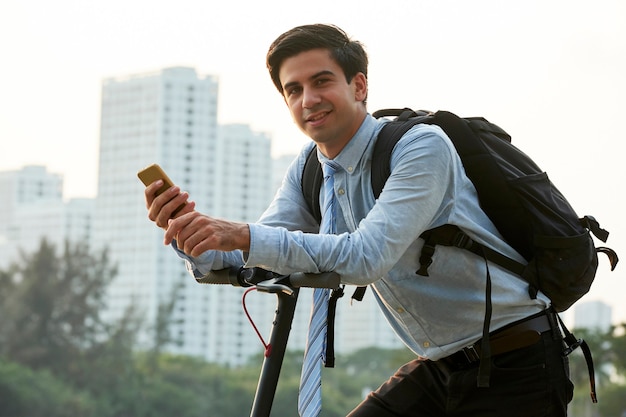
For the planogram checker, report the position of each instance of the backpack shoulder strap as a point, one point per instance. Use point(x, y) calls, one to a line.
point(387, 139)
point(388, 136)
point(312, 178)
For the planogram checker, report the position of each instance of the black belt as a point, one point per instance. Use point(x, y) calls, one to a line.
point(515, 336)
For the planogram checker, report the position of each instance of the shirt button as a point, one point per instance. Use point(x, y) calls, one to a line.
point(350, 169)
point(400, 310)
point(341, 191)
point(426, 344)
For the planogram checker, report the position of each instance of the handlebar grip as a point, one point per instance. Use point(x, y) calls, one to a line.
point(221, 276)
point(322, 280)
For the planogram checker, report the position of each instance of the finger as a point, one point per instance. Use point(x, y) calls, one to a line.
point(185, 208)
point(195, 243)
point(193, 239)
point(150, 192)
point(175, 226)
point(214, 239)
point(157, 202)
point(193, 231)
point(172, 200)
point(202, 246)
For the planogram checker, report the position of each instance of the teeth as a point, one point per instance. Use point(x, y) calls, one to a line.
point(318, 117)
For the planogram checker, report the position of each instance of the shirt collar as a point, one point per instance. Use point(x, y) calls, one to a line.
point(354, 150)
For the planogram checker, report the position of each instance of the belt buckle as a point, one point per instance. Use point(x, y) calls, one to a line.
point(471, 354)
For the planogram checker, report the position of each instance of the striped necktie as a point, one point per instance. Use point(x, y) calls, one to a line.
point(310, 398)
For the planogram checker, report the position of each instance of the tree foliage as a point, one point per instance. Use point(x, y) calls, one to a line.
point(608, 350)
point(54, 303)
point(52, 306)
point(26, 392)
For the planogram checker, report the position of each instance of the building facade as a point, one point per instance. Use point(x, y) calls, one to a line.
point(169, 117)
point(593, 315)
point(33, 208)
point(29, 184)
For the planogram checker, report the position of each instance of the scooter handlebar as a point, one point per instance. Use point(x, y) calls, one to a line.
point(239, 277)
point(321, 280)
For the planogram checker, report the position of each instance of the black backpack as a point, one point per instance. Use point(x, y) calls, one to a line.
point(526, 208)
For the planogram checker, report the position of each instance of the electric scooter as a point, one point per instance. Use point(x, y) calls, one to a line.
point(286, 288)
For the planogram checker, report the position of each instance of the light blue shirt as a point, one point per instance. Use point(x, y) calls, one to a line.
point(377, 242)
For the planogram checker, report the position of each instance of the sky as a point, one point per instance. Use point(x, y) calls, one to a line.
point(550, 72)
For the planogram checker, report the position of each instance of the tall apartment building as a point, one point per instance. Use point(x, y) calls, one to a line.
point(27, 185)
point(245, 173)
point(593, 315)
point(170, 117)
point(279, 167)
point(33, 208)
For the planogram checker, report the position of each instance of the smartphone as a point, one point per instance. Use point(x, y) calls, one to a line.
point(154, 172)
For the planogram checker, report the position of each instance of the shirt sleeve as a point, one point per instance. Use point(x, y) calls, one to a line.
point(287, 211)
point(412, 199)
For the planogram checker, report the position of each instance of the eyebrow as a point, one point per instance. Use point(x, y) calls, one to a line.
point(312, 77)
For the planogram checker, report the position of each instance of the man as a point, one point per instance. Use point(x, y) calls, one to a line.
point(322, 76)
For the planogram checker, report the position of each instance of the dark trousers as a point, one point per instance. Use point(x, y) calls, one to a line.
point(528, 382)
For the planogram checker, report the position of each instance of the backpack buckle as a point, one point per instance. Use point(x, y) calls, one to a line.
point(471, 354)
point(426, 258)
point(572, 347)
point(462, 241)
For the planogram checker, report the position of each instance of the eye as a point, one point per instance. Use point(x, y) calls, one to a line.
point(293, 90)
point(321, 81)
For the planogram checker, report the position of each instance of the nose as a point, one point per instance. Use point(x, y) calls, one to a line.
point(310, 98)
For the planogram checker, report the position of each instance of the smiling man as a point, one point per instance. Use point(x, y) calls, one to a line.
point(323, 103)
point(322, 75)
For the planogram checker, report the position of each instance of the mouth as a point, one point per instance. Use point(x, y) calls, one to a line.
point(318, 118)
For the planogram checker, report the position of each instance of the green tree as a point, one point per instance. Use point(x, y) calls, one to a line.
point(608, 350)
point(613, 402)
point(618, 342)
point(54, 303)
point(190, 387)
point(162, 336)
point(51, 309)
point(25, 392)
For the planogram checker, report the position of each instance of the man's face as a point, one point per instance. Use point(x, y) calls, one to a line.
point(322, 103)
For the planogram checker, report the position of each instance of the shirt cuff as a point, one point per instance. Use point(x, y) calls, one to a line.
point(264, 246)
point(198, 266)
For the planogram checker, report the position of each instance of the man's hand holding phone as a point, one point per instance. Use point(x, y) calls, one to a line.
point(164, 200)
point(194, 232)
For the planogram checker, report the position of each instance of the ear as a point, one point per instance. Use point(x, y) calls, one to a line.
point(360, 86)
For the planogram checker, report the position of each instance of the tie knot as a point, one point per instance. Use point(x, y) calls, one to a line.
point(329, 168)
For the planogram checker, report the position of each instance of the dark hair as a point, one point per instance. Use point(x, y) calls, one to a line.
point(349, 55)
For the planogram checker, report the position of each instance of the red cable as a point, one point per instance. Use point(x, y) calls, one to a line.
point(268, 347)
